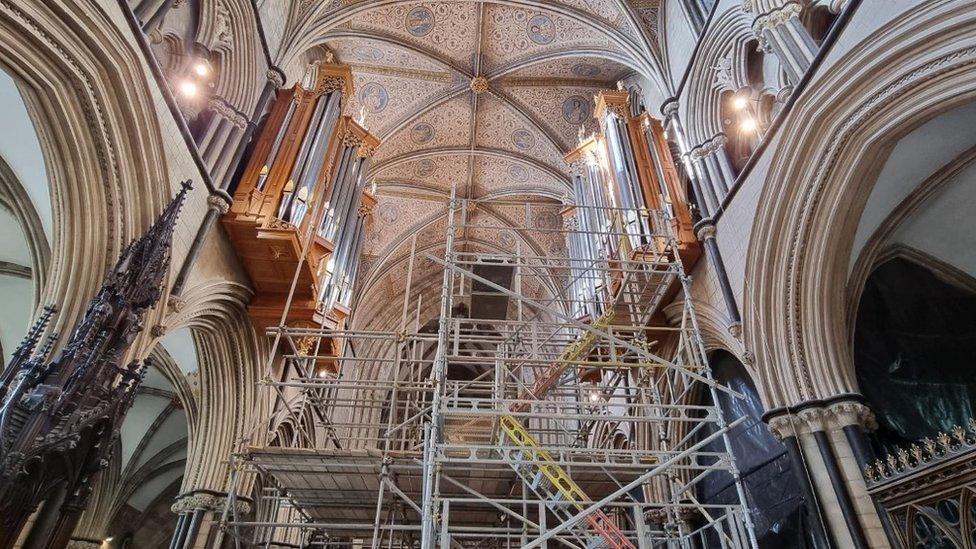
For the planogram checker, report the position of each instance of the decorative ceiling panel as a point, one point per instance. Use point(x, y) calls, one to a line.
point(388, 98)
point(501, 127)
point(439, 172)
point(365, 53)
point(579, 71)
point(515, 35)
point(448, 27)
point(394, 216)
point(494, 177)
point(448, 125)
point(563, 109)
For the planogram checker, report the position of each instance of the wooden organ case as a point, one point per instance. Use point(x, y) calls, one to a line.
point(301, 202)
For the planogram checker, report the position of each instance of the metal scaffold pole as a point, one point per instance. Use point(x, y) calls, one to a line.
point(544, 401)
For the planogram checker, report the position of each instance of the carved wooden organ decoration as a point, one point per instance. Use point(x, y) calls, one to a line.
point(302, 202)
point(620, 175)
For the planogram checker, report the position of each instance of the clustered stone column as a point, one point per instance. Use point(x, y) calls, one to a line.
point(708, 195)
point(196, 514)
point(778, 27)
point(827, 443)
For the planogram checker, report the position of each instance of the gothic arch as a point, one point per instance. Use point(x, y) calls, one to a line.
point(903, 75)
point(102, 145)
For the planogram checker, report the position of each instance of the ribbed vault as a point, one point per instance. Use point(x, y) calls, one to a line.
point(481, 97)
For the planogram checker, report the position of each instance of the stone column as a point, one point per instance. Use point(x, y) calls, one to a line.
point(817, 436)
point(778, 27)
point(198, 512)
point(707, 200)
point(716, 168)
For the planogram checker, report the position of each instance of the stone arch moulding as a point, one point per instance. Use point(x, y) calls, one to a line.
point(812, 200)
point(15, 198)
point(101, 142)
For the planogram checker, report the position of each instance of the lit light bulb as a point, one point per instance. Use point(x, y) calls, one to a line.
point(188, 89)
point(594, 396)
point(201, 69)
point(748, 125)
point(740, 102)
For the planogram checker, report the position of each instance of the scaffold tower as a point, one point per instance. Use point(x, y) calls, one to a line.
point(552, 398)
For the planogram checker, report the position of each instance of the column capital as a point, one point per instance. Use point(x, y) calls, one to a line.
point(852, 412)
point(206, 501)
point(708, 147)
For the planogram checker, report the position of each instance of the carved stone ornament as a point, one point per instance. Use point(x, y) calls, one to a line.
point(82, 544)
point(218, 204)
point(365, 150)
point(330, 84)
point(577, 167)
point(724, 77)
point(479, 85)
point(709, 147)
point(351, 139)
point(777, 17)
point(784, 426)
point(853, 413)
point(816, 419)
point(274, 76)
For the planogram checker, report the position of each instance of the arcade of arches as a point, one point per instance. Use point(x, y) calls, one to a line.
point(816, 160)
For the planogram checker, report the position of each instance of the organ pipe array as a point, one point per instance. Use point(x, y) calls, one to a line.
point(301, 204)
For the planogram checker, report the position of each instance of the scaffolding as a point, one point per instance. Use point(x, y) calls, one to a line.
point(549, 403)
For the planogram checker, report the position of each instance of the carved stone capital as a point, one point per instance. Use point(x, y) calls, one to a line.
point(217, 204)
point(82, 544)
point(157, 330)
point(275, 77)
point(853, 413)
point(670, 109)
point(774, 18)
point(783, 427)
point(175, 304)
point(815, 419)
point(709, 147)
point(225, 110)
point(706, 231)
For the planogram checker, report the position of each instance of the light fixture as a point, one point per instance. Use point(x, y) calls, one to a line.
point(188, 88)
point(201, 69)
point(594, 396)
point(740, 102)
point(748, 125)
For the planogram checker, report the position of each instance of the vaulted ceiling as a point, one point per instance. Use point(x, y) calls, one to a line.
point(482, 97)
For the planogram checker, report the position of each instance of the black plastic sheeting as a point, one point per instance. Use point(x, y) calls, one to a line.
point(772, 490)
point(914, 347)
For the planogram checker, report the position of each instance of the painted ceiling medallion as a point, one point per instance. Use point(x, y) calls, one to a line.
point(541, 29)
point(426, 168)
point(577, 109)
point(585, 70)
point(518, 173)
point(374, 97)
point(388, 212)
point(523, 139)
point(419, 21)
point(422, 133)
